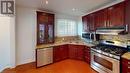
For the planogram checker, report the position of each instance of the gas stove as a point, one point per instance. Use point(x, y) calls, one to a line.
point(110, 50)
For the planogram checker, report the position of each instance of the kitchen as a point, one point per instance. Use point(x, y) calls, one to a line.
point(99, 40)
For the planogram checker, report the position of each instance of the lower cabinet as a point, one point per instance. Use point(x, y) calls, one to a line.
point(87, 56)
point(76, 52)
point(50, 55)
point(71, 51)
point(125, 65)
point(60, 53)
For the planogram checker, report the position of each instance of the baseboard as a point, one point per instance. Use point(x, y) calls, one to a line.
point(27, 64)
point(4, 68)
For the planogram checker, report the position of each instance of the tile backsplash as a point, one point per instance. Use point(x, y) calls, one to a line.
point(67, 38)
point(121, 38)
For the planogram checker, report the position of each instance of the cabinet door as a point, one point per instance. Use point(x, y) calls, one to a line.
point(127, 13)
point(87, 54)
point(42, 17)
point(64, 51)
point(72, 51)
point(76, 52)
point(41, 34)
point(101, 18)
point(80, 52)
point(85, 24)
point(125, 65)
point(51, 18)
point(50, 33)
point(116, 15)
point(91, 22)
point(56, 54)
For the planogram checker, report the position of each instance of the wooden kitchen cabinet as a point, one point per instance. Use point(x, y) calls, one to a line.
point(101, 18)
point(60, 53)
point(127, 14)
point(56, 54)
point(108, 17)
point(87, 55)
point(116, 15)
point(80, 52)
point(91, 22)
point(45, 28)
point(64, 51)
point(85, 24)
point(125, 65)
point(76, 52)
point(88, 23)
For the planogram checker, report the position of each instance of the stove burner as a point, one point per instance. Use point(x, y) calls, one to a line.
point(109, 49)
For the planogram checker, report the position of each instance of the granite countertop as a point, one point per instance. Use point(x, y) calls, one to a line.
point(78, 42)
point(126, 55)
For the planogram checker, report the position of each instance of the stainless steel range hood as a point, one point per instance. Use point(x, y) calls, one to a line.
point(112, 30)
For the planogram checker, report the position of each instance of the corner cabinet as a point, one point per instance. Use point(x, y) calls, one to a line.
point(76, 52)
point(45, 28)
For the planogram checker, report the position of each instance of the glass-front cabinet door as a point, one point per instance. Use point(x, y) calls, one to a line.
point(50, 33)
point(41, 34)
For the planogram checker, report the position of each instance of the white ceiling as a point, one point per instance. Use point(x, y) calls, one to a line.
point(65, 6)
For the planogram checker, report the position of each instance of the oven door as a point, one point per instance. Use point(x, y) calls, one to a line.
point(104, 64)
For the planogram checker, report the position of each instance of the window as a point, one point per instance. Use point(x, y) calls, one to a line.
point(66, 27)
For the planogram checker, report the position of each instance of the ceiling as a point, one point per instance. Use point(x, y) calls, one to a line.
point(70, 7)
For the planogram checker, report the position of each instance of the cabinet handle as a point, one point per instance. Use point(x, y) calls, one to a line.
point(126, 27)
point(128, 67)
point(105, 23)
point(128, 62)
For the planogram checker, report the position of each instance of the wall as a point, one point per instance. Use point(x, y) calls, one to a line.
point(26, 33)
point(80, 26)
point(7, 42)
point(121, 38)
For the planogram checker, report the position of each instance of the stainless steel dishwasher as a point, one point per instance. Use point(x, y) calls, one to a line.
point(44, 56)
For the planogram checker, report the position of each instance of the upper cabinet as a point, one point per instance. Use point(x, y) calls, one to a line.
point(101, 18)
point(127, 13)
point(91, 22)
point(108, 17)
point(45, 28)
point(116, 15)
point(85, 25)
point(88, 23)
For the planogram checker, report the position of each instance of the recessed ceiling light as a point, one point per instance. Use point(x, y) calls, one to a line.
point(74, 9)
point(47, 2)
